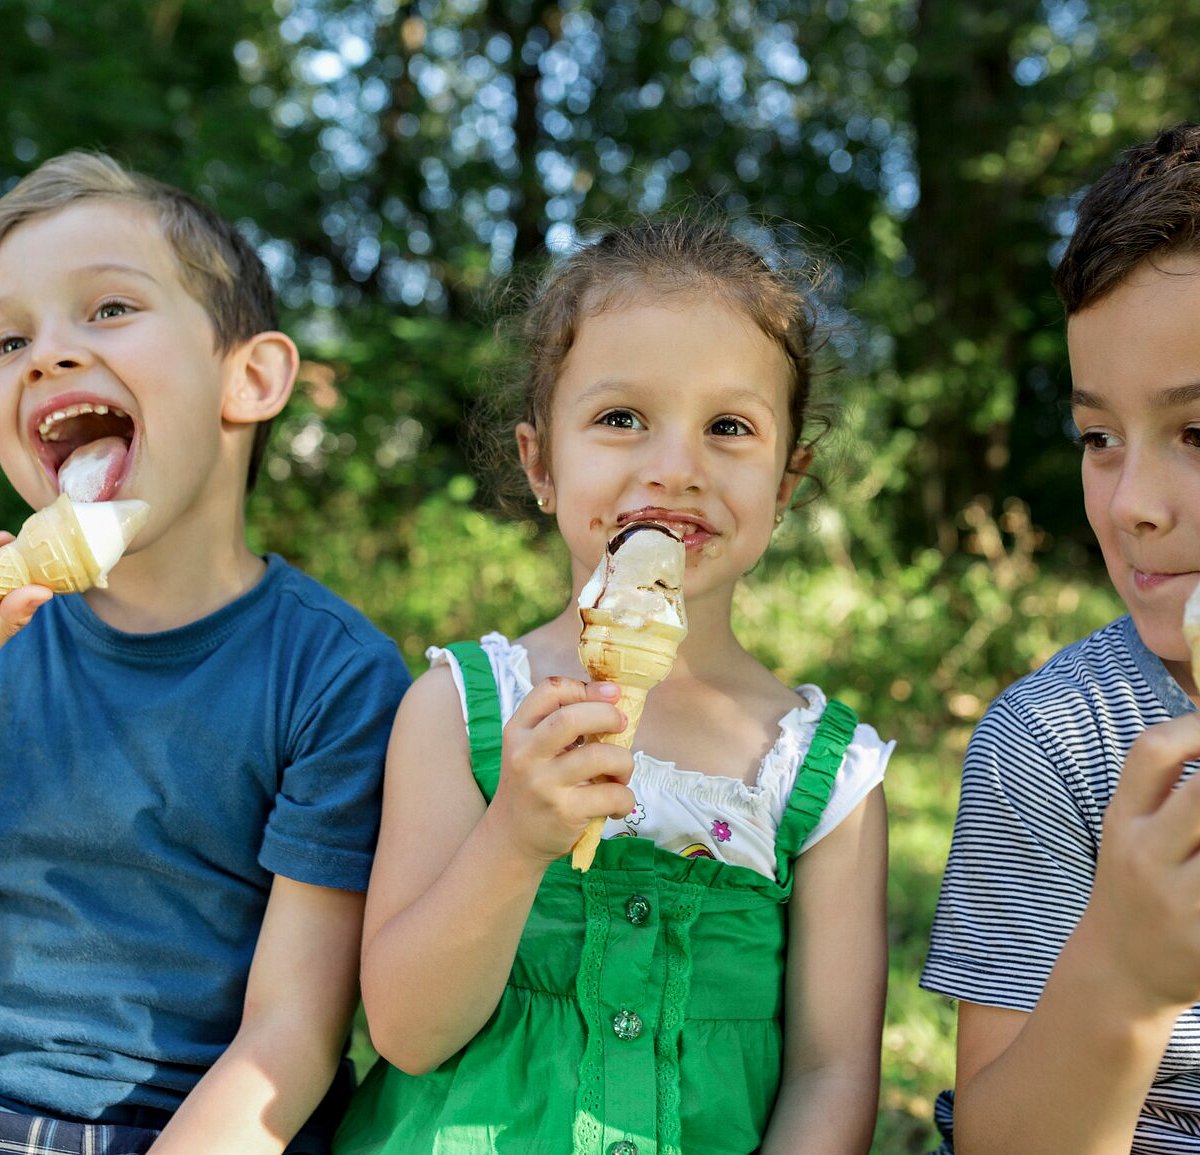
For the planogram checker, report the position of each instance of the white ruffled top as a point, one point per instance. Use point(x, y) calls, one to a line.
point(711, 815)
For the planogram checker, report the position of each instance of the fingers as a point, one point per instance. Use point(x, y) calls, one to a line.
point(18, 607)
point(554, 775)
point(1151, 775)
point(562, 712)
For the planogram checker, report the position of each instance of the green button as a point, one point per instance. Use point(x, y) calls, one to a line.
point(623, 1148)
point(637, 909)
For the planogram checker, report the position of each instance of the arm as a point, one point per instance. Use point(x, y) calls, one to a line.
point(300, 999)
point(1073, 1074)
point(836, 983)
point(454, 880)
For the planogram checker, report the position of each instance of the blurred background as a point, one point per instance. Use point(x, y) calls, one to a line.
point(396, 162)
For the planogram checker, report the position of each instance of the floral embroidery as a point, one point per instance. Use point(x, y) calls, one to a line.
point(635, 815)
point(721, 831)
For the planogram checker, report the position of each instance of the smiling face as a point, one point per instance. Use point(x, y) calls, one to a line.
point(105, 355)
point(671, 409)
point(1135, 366)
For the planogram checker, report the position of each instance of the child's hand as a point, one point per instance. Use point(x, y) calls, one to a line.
point(552, 780)
point(18, 607)
point(1144, 912)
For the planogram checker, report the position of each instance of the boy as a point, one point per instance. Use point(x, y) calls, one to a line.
point(189, 793)
point(1076, 961)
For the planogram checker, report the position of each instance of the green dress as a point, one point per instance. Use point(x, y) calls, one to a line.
point(643, 1014)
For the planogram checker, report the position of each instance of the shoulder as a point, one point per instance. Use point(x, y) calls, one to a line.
point(817, 709)
point(308, 614)
point(1093, 684)
point(433, 698)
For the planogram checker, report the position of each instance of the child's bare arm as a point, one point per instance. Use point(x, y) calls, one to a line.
point(300, 999)
point(1073, 1074)
point(453, 881)
point(836, 984)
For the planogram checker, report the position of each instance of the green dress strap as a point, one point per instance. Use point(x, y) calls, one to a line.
point(806, 804)
point(814, 782)
point(485, 730)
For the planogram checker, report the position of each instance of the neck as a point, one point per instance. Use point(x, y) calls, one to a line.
point(164, 587)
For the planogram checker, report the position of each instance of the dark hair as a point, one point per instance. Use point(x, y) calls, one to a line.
point(1145, 205)
point(674, 254)
point(217, 265)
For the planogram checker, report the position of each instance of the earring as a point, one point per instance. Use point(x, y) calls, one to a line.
point(541, 503)
point(779, 518)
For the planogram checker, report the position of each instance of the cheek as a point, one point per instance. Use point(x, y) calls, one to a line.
point(1096, 499)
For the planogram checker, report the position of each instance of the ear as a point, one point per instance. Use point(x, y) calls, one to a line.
point(535, 465)
point(793, 473)
point(261, 373)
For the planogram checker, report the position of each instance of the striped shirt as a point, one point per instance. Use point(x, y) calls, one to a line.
point(1040, 770)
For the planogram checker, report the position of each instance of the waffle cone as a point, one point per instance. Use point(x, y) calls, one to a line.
point(636, 658)
point(1191, 631)
point(49, 551)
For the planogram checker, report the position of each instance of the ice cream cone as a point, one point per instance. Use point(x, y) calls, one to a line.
point(636, 658)
point(1191, 631)
point(55, 549)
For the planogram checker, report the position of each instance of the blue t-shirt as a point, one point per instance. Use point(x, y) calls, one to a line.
point(151, 787)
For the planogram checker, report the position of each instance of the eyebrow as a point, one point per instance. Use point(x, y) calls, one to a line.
point(100, 269)
point(1163, 399)
point(117, 267)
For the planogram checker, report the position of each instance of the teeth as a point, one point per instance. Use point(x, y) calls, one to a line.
point(48, 426)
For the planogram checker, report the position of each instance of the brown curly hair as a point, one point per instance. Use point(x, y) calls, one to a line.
point(1145, 205)
point(673, 254)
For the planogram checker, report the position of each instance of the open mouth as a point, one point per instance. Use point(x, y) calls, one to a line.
point(85, 445)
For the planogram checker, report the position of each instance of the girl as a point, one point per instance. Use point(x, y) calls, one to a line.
point(704, 987)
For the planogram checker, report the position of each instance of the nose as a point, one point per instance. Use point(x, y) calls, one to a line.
point(1141, 498)
point(675, 462)
point(53, 352)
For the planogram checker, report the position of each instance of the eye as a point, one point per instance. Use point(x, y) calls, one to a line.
point(620, 419)
point(11, 344)
point(1191, 436)
point(1093, 440)
point(109, 309)
point(730, 427)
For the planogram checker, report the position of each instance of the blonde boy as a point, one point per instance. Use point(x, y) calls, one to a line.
point(189, 793)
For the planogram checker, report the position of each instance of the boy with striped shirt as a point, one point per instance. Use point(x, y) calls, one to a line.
point(1068, 927)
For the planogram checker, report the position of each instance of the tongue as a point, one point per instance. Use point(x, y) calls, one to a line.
point(90, 473)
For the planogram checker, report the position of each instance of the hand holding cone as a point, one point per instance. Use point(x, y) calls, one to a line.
point(68, 547)
point(633, 623)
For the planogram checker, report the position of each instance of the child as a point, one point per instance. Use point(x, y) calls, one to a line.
point(190, 790)
point(1077, 961)
point(638, 1007)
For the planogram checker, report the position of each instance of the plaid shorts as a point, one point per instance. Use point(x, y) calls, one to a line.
point(37, 1135)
